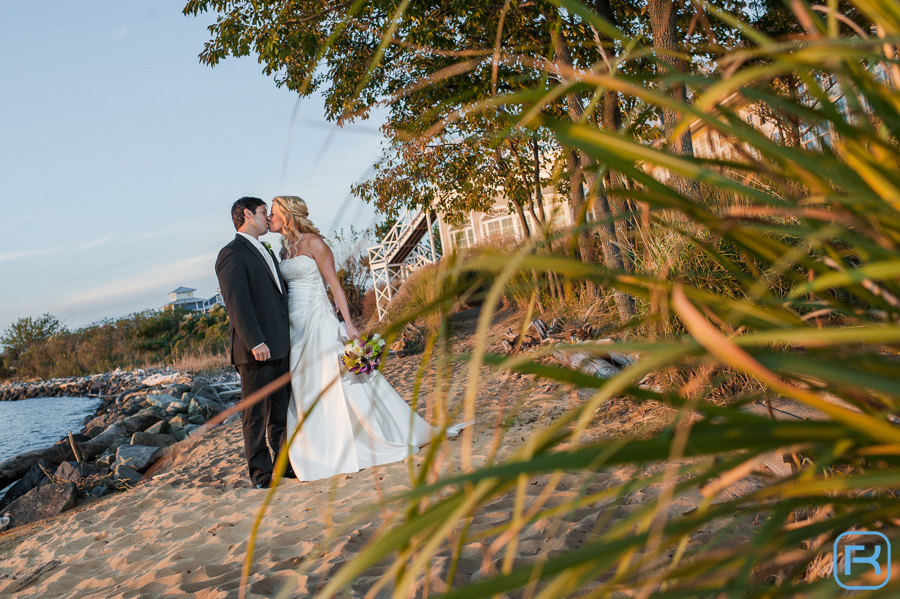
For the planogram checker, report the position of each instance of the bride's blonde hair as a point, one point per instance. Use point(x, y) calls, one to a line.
point(296, 221)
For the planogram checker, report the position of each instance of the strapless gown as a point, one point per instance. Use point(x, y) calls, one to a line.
point(349, 422)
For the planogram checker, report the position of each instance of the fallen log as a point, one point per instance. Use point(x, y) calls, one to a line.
point(14, 468)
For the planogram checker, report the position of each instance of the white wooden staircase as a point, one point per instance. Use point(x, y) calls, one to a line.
point(408, 246)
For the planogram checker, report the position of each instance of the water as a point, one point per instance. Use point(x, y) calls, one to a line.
point(40, 422)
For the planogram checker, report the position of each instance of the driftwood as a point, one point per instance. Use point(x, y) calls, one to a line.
point(598, 363)
point(587, 364)
point(538, 333)
point(76, 451)
point(14, 468)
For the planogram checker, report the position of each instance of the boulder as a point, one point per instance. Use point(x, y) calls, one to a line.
point(32, 479)
point(205, 391)
point(75, 471)
point(154, 411)
point(138, 457)
point(127, 475)
point(178, 434)
point(178, 390)
point(160, 401)
point(93, 431)
point(178, 407)
point(204, 407)
point(197, 419)
point(160, 428)
point(99, 491)
point(178, 422)
point(43, 502)
point(97, 422)
point(106, 460)
point(151, 439)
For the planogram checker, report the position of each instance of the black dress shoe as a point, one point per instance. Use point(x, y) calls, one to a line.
point(263, 485)
point(289, 473)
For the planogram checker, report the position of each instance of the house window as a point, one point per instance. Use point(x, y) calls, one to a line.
point(843, 108)
point(809, 140)
point(500, 227)
point(558, 217)
point(462, 239)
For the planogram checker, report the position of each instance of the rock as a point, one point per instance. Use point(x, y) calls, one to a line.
point(135, 400)
point(128, 475)
point(160, 401)
point(197, 419)
point(32, 479)
point(4, 523)
point(154, 411)
point(190, 428)
point(97, 422)
point(159, 428)
point(93, 431)
point(178, 434)
point(106, 460)
point(75, 471)
point(99, 491)
point(43, 502)
point(204, 407)
point(178, 407)
point(178, 422)
point(160, 379)
point(203, 390)
point(151, 440)
point(138, 457)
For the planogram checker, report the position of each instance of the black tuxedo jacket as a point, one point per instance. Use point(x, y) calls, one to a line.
point(257, 311)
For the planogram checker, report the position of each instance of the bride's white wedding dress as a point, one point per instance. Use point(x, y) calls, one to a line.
point(359, 420)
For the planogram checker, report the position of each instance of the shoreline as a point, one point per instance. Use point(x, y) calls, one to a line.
point(140, 418)
point(185, 530)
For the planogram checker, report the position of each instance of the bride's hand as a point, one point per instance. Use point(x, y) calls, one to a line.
point(352, 331)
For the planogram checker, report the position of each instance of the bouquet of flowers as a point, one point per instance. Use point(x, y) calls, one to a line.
point(363, 356)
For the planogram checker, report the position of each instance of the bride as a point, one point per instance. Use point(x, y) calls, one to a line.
point(349, 422)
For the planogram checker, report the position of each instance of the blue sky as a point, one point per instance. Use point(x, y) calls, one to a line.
point(120, 156)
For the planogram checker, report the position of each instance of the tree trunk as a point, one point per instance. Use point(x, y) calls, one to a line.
point(579, 209)
point(665, 46)
point(611, 254)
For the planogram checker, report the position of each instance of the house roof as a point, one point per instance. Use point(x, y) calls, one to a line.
point(182, 290)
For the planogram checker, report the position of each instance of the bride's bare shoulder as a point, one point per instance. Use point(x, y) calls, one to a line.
point(315, 243)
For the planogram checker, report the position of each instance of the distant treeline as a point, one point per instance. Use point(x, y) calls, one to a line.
point(43, 347)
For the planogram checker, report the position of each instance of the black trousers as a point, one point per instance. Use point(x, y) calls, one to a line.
point(265, 419)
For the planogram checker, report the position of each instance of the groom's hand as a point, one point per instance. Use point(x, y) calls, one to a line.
point(262, 353)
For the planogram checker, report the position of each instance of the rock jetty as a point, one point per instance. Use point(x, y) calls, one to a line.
point(95, 385)
point(142, 415)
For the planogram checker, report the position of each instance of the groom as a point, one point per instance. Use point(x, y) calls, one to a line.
point(255, 297)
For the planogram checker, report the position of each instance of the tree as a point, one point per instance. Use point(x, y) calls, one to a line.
point(25, 334)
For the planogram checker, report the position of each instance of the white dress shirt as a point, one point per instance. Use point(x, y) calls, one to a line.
point(266, 255)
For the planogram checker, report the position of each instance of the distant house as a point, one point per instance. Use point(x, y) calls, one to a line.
point(183, 298)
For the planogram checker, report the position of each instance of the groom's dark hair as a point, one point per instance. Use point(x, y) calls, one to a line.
point(245, 203)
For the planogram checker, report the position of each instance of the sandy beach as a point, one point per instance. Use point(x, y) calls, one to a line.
point(185, 530)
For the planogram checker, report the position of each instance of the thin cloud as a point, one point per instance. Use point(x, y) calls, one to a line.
point(9, 256)
point(155, 282)
point(96, 242)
